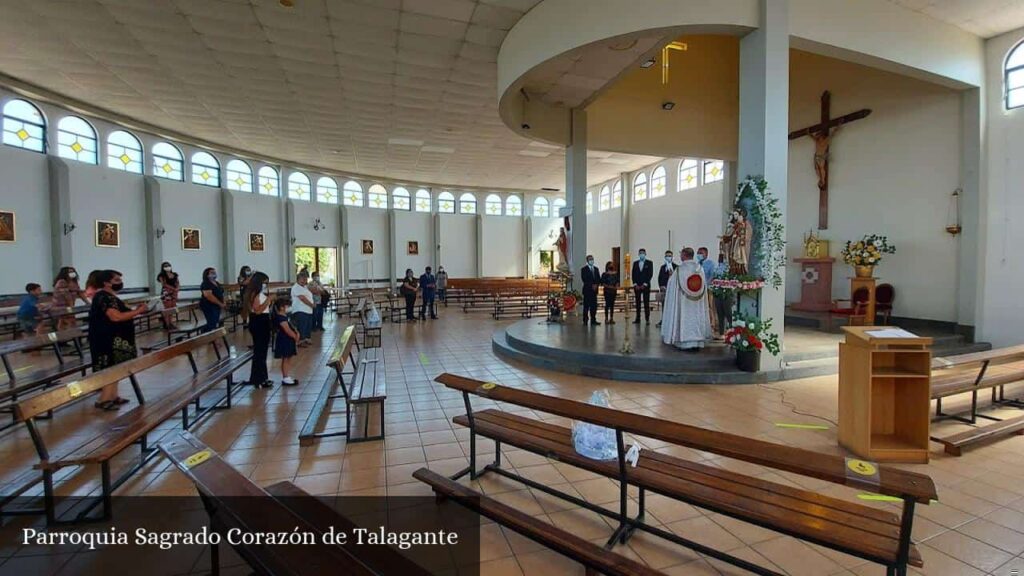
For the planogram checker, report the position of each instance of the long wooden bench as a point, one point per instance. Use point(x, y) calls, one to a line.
point(880, 536)
point(21, 381)
point(133, 426)
point(972, 373)
point(523, 306)
point(367, 387)
point(232, 501)
point(340, 358)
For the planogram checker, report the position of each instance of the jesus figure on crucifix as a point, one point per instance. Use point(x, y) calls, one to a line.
point(822, 141)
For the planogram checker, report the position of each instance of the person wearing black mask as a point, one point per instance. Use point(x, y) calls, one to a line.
point(610, 281)
point(212, 301)
point(591, 277)
point(641, 274)
point(111, 333)
point(256, 300)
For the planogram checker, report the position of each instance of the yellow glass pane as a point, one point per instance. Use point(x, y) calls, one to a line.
point(239, 181)
point(205, 175)
point(167, 167)
point(268, 186)
point(125, 159)
point(23, 134)
point(76, 147)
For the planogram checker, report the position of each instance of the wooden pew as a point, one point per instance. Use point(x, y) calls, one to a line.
point(596, 559)
point(235, 502)
point(524, 306)
point(340, 358)
point(28, 381)
point(133, 426)
point(972, 373)
point(872, 534)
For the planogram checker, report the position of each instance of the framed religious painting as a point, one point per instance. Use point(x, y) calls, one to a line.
point(191, 239)
point(8, 233)
point(413, 249)
point(108, 234)
point(367, 246)
point(257, 242)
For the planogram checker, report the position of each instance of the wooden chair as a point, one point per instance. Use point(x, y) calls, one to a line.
point(856, 313)
point(885, 295)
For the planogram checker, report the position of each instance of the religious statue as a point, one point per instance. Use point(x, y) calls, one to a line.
point(737, 243)
point(822, 142)
point(563, 249)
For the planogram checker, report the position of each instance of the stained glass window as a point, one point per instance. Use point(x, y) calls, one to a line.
point(617, 194)
point(377, 197)
point(557, 205)
point(423, 200)
point(400, 199)
point(640, 187)
point(659, 185)
point(514, 206)
point(167, 162)
point(205, 169)
point(76, 140)
point(714, 170)
point(1015, 78)
point(688, 175)
point(24, 126)
point(124, 152)
point(239, 176)
point(604, 200)
point(267, 182)
point(590, 202)
point(446, 203)
point(467, 203)
point(326, 190)
point(492, 205)
point(352, 194)
point(541, 207)
point(298, 186)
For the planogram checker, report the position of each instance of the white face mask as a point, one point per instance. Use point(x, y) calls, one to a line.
point(167, 268)
point(668, 259)
point(72, 275)
point(590, 263)
point(643, 257)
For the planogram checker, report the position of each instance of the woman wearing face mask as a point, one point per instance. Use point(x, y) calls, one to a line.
point(169, 287)
point(408, 290)
point(111, 333)
point(212, 301)
point(66, 291)
point(610, 281)
point(256, 301)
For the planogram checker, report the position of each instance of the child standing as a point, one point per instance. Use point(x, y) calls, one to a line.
point(285, 339)
point(28, 311)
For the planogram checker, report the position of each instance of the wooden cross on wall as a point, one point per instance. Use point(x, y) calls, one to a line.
point(822, 134)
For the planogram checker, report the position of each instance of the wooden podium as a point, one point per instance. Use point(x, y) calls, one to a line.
point(884, 392)
point(815, 284)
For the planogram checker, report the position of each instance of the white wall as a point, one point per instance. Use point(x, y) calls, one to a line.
point(254, 213)
point(604, 232)
point(502, 246)
point(458, 245)
point(368, 224)
point(192, 206)
point(694, 217)
point(417, 227)
point(1002, 207)
point(306, 214)
point(891, 173)
point(24, 190)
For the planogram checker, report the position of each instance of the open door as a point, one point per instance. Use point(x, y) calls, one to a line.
point(319, 259)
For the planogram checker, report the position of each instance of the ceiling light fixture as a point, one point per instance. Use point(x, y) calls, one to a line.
point(551, 189)
point(668, 105)
point(648, 63)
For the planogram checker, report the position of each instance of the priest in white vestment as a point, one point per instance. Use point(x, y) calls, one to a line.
point(685, 322)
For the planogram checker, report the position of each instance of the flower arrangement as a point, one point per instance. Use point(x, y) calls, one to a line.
point(766, 216)
point(563, 300)
point(868, 251)
point(736, 283)
point(751, 333)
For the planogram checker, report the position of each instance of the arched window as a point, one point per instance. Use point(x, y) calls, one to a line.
point(714, 170)
point(298, 186)
point(514, 206)
point(423, 200)
point(617, 194)
point(590, 202)
point(640, 187)
point(604, 200)
point(1014, 78)
point(76, 140)
point(268, 182)
point(688, 177)
point(168, 162)
point(446, 203)
point(658, 184)
point(492, 205)
point(400, 199)
point(205, 169)
point(540, 207)
point(124, 152)
point(377, 197)
point(467, 203)
point(239, 176)
point(557, 205)
point(352, 194)
point(24, 126)
point(326, 190)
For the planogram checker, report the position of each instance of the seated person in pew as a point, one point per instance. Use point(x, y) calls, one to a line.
point(111, 333)
point(285, 339)
point(28, 310)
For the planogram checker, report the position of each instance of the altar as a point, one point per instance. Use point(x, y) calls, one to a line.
point(815, 284)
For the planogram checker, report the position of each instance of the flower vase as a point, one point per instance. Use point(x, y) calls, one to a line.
point(748, 360)
point(864, 271)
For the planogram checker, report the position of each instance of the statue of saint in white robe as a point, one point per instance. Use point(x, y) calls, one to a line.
point(685, 322)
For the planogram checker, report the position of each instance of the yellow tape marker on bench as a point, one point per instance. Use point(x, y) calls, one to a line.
point(862, 467)
point(74, 389)
point(488, 386)
point(879, 498)
point(801, 426)
point(197, 459)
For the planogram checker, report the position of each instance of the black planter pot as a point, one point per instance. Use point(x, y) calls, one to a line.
point(748, 360)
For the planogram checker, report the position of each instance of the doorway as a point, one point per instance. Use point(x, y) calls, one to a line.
point(319, 259)
point(547, 262)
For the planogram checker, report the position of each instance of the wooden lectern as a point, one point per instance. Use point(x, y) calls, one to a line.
point(815, 284)
point(884, 395)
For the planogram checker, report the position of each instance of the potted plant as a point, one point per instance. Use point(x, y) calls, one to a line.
point(866, 254)
point(748, 336)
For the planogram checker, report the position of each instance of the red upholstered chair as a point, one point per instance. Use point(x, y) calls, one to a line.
point(885, 295)
point(856, 313)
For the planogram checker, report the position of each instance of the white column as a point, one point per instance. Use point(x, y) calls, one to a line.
point(624, 220)
point(764, 127)
point(576, 189)
point(969, 255)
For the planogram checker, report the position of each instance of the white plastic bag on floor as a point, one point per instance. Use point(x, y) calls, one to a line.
point(595, 441)
point(373, 317)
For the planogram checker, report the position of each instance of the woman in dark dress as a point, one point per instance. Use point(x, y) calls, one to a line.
point(610, 281)
point(408, 289)
point(212, 301)
point(257, 302)
point(169, 287)
point(111, 333)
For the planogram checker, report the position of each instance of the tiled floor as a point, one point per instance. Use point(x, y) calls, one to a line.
point(977, 527)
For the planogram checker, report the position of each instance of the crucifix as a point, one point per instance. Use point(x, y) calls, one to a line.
point(822, 134)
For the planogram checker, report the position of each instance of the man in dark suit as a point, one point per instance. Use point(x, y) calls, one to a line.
point(643, 271)
point(591, 277)
point(664, 273)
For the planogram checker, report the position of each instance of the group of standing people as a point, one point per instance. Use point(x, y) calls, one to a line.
point(429, 286)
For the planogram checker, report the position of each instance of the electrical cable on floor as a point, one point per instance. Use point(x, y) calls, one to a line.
point(792, 407)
